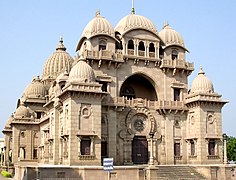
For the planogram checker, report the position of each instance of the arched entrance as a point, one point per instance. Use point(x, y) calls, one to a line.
point(140, 150)
point(138, 86)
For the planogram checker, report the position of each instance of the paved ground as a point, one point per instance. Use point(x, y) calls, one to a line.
point(3, 178)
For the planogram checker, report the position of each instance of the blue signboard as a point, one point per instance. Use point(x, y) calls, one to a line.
point(108, 164)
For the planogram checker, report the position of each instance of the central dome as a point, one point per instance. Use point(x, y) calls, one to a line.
point(57, 63)
point(133, 21)
point(98, 26)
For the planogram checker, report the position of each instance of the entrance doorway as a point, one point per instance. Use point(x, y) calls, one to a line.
point(140, 150)
point(103, 150)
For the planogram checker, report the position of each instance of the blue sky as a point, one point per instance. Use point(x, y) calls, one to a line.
point(30, 30)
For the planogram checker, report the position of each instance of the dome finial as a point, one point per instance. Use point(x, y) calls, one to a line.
point(61, 46)
point(201, 71)
point(165, 24)
point(98, 13)
point(61, 39)
point(132, 11)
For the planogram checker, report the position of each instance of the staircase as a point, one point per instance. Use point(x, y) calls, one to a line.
point(178, 173)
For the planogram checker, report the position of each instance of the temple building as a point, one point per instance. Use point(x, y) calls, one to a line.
point(124, 95)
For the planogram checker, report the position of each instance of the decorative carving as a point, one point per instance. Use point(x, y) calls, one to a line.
point(137, 112)
point(210, 117)
point(139, 123)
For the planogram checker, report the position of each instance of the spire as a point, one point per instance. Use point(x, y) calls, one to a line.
point(201, 71)
point(97, 13)
point(61, 46)
point(132, 11)
point(165, 24)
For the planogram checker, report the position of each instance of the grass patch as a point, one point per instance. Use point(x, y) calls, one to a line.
point(6, 174)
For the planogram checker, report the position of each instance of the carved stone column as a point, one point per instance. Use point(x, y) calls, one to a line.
point(128, 152)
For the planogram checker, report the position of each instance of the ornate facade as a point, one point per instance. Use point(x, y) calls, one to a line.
point(124, 95)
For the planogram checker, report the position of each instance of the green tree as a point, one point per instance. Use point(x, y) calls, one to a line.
point(231, 148)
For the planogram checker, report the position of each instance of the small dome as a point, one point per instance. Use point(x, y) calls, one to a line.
point(98, 26)
point(201, 84)
point(171, 37)
point(58, 62)
point(8, 123)
point(22, 112)
point(35, 89)
point(81, 72)
point(63, 77)
point(133, 21)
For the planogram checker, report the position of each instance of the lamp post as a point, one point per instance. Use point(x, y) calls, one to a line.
point(151, 134)
point(225, 148)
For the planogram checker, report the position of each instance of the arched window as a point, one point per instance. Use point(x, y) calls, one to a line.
point(102, 45)
point(174, 54)
point(151, 50)
point(151, 47)
point(141, 48)
point(128, 92)
point(161, 52)
point(131, 44)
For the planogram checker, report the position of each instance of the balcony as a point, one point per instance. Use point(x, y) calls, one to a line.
point(213, 157)
point(161, 104)
point(131, 52)
point(86, 157)
point(141, 53)
point(177, 63)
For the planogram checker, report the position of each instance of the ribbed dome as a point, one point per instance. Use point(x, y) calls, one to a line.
point(98, 26)
point(57, 63)
point(10, 119)
point(82, 73)
point(171, 37)
point(63, 77)
point(134, 21)
point(201, 84)
point(35, 89)
point(22, 112)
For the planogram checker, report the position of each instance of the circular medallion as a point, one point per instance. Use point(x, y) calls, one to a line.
point(139, 123)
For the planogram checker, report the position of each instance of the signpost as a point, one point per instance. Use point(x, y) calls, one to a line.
point(108, 165)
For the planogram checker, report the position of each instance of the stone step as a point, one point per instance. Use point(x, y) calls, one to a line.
point(178, 173)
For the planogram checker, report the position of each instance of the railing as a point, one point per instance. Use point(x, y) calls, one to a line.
point(151, 54)
point(178, 157)
point(213, 157)
point(123, 101)
point(86, 157)
point(141, 53)
point(192, 157)
point(177, 63)
point(130, 52)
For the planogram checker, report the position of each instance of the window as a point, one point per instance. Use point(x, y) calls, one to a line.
point(192, 144)
point(131, 44)
point(177, 149)
point(211, 148)
point(128, 92)
point(102, 45)
point(176, 94)
point(174, 54)
point(38, 115)
point(35, 153)
point(85, 146)
point(141, 46)
point(161, 52)
point(151, 47)
point(104, 86)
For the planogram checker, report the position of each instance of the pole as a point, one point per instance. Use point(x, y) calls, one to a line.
point(151, 152)
point(225, 152)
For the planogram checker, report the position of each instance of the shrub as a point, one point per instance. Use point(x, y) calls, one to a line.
point(6, 174)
